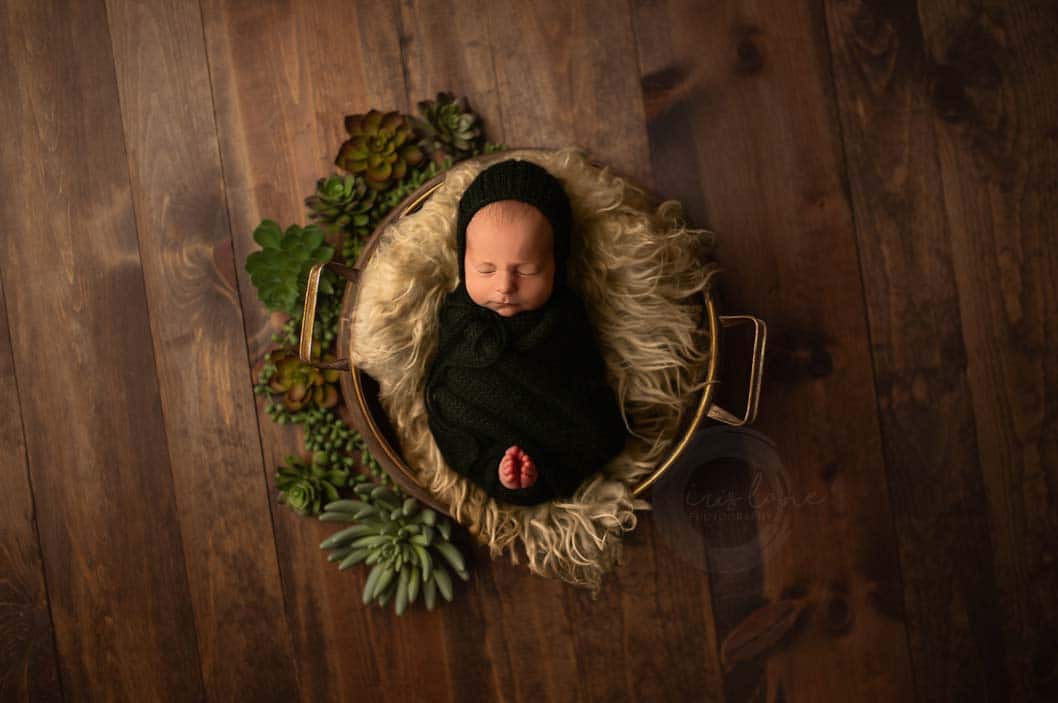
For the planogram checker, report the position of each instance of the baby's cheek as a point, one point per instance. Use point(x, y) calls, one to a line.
point(477, 292)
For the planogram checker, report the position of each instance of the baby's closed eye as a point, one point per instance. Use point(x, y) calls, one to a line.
point(521, 272)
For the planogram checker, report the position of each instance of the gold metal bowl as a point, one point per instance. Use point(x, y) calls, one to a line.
point(360, 390)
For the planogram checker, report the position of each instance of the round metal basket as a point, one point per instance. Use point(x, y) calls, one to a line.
point(361, 391)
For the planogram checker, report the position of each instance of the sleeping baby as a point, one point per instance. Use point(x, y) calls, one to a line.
point(516, 394)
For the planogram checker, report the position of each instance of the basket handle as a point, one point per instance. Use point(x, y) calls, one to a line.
point(756, 371)
point(308, 316)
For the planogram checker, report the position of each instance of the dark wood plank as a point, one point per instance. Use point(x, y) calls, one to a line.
point(284, 76)
point(741, 127)
point(947, 111)
point(190, 275)
point(29, 671)
point(566, 74)
point(77, 310)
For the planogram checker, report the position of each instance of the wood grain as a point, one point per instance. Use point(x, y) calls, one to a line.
point(446, 46)
point(200, 351)
point(948, 112)
point(108, 520)
point(739, 98)
point(29, 670)
point(566, 74)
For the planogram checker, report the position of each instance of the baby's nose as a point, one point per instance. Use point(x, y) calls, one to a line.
point(505, 282)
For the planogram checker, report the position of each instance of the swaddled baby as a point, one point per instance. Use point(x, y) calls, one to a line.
point(516, 395)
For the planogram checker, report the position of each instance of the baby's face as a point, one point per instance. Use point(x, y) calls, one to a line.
point(509, 262)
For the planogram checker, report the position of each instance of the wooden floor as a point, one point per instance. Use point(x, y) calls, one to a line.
point(882, 178)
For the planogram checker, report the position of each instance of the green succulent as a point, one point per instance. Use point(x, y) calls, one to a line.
point(280, 269)
point(381, 147)
point(342, 203)
point(331, 441)
point(450, 128)
point(304, 486)
point(303, 384)
point(406, 545)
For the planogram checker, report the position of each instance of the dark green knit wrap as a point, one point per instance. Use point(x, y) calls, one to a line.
point(536, 380)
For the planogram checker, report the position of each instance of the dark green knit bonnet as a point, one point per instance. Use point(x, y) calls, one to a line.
point(528, 183)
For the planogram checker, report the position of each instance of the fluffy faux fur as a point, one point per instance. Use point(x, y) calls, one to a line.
point(640, 273)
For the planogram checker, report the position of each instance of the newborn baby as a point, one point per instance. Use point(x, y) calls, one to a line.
point(516, 395)
point(509, 267)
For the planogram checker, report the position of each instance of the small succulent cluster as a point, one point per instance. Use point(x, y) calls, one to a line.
point(342, 204)
point(301, 384)
point(406, 545)
point(331, 441)
point(450, 128)
point(388, 156)
point(304, 485)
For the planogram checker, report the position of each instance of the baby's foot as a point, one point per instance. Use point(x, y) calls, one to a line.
point(517, 470)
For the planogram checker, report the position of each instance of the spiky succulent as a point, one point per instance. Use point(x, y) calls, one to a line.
point(303, 486)
point(449, 128)
point(280, 269)
point(406, 545)
point(381, 148)
point(303, 384)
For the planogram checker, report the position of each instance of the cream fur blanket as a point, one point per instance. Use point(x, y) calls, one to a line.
point(640, 272)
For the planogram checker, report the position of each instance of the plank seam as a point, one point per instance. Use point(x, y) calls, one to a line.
point(33, 500)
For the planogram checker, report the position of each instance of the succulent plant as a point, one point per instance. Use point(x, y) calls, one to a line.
point(280, 269)
point(449, 129)
point(342, 203)
point(303, 486)
point(381, 148)
point(302, 384)
point(406, 545)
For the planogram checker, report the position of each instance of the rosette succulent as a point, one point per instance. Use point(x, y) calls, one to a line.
point(450, 128)
point(381, 148)
point(304, 486)
point(302, 384)
point(406, 545)
point(280, 269)
point(342, 203)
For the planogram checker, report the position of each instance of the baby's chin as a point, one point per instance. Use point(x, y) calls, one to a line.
point(507, 310)
point(511, 310)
